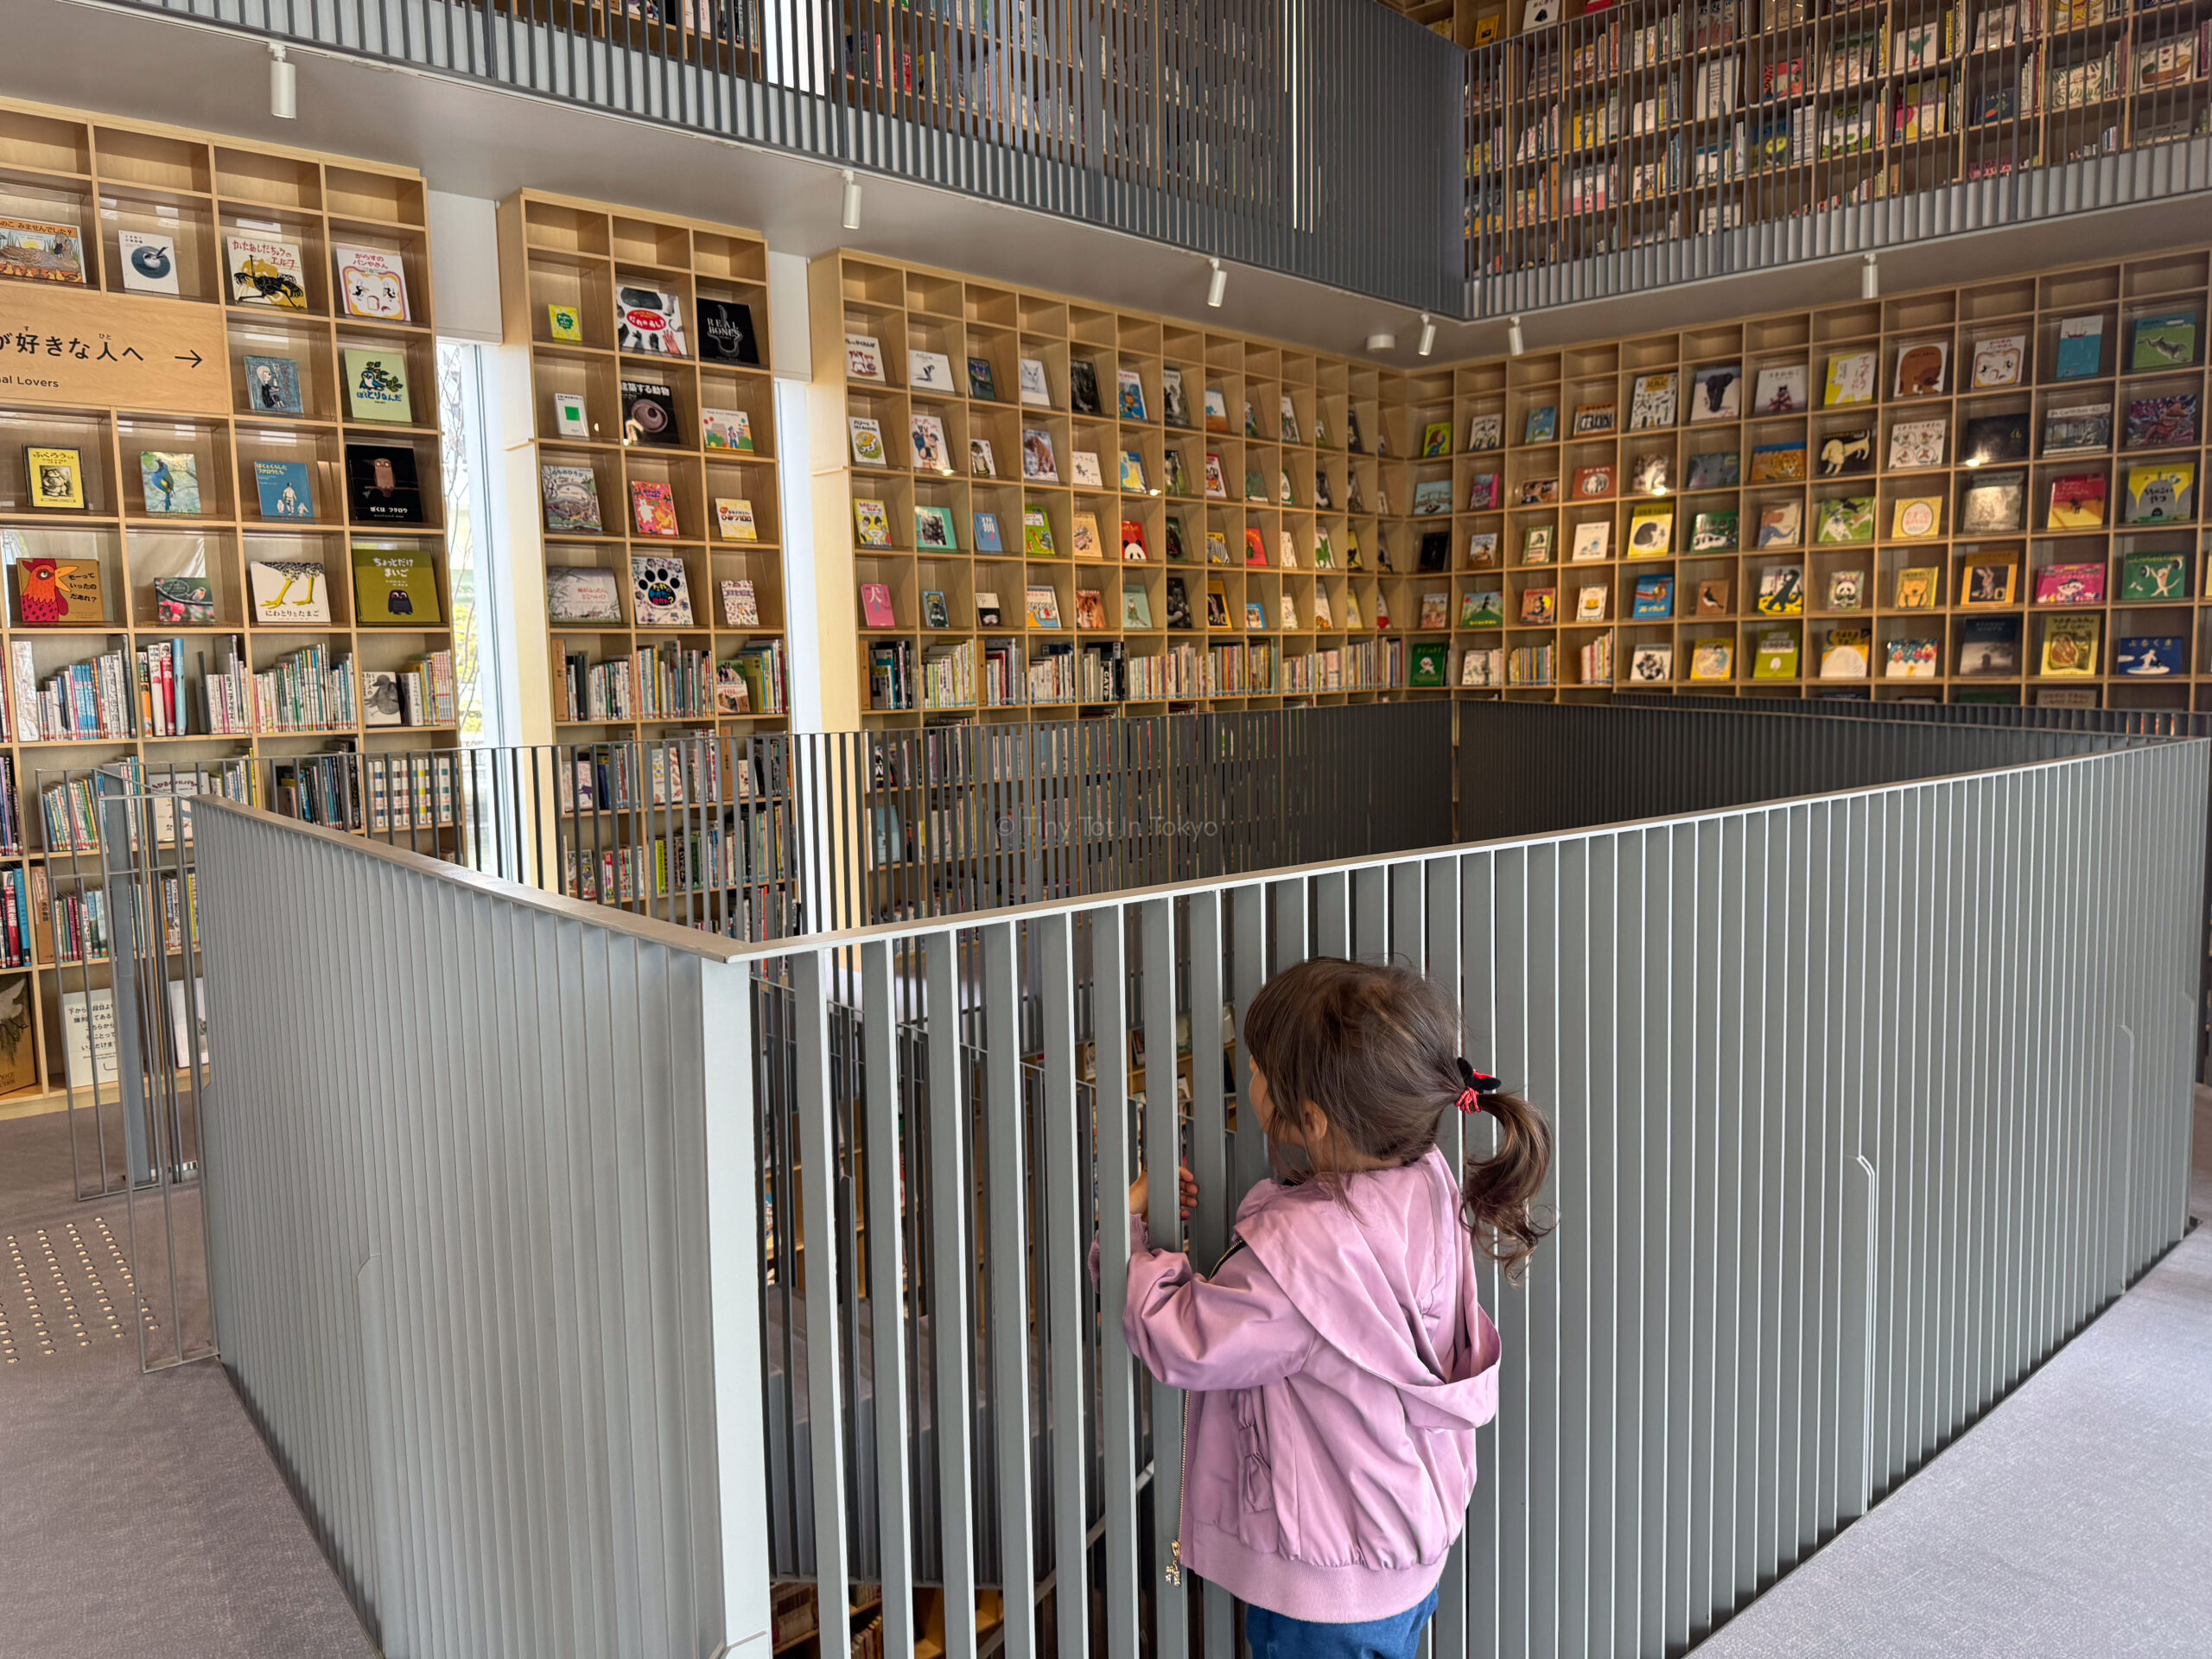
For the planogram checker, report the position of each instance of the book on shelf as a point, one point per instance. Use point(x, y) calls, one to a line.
point(1997, 361)
point(1719, 469)
point(933, 529)
point(2078, 428)
point(2077, 502)
point(1780, 590)
point(1714, 532)
point(1777, 463)
point(1846, 590)
point(1910, 659)
point(1651, 666)
point(2151, 656)
point(1993, 505)
point(1916, 518)
point(741, 606)
point(1843, 453)
point(1780, 391)
point(1844, 519)
point(2164, 420)
point(1846, 654)
point(2161, 492)
point(1850, 378)
point(1713, 660)
point(2070, 646)
point(1989, 645)
point(876, 610)
point(733, 518)
point(1654, 596)
point(987, 533)
point(1539, 606)
point(864, 358)
point(2081, 348)
point(1593, 541)
point(1651, 531)
point(395, 586)
point(648, 320)
point(1716, 394)
point(1987, 584)
point(1781, 524)
point(660, 592)
point(2075, 583)
point(1651, 402)
point(1714, 596)
point(2163, 340)
point(1989, 439)
point(1919, 588)
point(982, 380)
point(932, 450)
point(652, 508)
point(2154, 578)
point(867, 435)
point(1036, 533)
point(929, 371)
point(1775, 654)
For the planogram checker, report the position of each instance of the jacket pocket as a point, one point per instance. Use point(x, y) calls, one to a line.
point(1257, 1485)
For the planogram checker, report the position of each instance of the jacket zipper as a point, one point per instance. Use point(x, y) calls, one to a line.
point(1182, 1486)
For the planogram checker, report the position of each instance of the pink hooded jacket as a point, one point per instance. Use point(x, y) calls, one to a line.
point(1338, 1365)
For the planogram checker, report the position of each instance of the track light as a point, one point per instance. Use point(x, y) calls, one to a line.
point(1218, 286)
point(284, 86)
point(1869, 279)
point(852, 201)
point(1428, 334)
point(1514, 342)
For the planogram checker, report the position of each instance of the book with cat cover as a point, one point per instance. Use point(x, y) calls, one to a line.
point(1082, 388)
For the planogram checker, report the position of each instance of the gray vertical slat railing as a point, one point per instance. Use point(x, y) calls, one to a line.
point(1820, 1203)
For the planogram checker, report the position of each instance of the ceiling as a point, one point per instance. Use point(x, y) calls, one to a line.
point(471, 138)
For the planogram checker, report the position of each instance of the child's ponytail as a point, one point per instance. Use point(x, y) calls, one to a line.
point(1499, 1193)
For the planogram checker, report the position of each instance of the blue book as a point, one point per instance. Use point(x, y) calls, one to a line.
point(2081, 348)
point(287, 489)
point(1543, 424)
point(987, 533)
point(2152, 658)
point(1654, 596)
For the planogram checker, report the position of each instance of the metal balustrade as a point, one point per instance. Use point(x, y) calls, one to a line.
point(608, 1287)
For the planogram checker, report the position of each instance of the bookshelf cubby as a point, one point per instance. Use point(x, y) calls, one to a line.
point(2123, 296)
point(294, 691)
point(610, 676)
point(1118, 644)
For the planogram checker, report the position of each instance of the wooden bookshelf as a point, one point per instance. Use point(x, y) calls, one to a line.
point(1358, 502)
point(553, 252)
point(185, 391)
point(1616, 127)
point(2120, 294)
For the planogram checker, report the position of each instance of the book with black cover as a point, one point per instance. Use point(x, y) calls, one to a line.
point(1994, 438)
point(381, 485)
point(725, 332)
point(649, 414)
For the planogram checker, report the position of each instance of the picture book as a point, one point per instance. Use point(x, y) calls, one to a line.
point(272, 386)
point(395, 586)
point(147, 262)
point(564, 323)
point(1850, 379)
point(1542, 425)
point(1843, 453)
point(1434, 611)
point(2166, 422)
point(1133, 549)
point(1992, 438)
point(2071, 584)
point(726, 332)
point(1482, 607)
point(1216, 480)
point(1481, 547)
point(569, 419)
point(2077, 502)
point(1780, 391)
point(1216, 403)
point(1778, 463)
point(1651, 402)
point(1035, 392)
point(1484, 432)
point(1082, 388)
point(1593, 541)
point(1594, 483)
point(930, 372)
point(1654, 597)
point(2154, 578)
point(1217, 547)
point(2164, 340)
point(1083, 470)
point(871, 522)
point(1987, 584)
point(988, 611)
point(933, 529)
point(1174, 406)
point(1989, 645)
point(1289, 616)
point(1539, 606)
point(1920, 369)
point(867, 442)
point(580, 594)
point(982, 461)
point(1590, 603)
point(660, 592)
point(1256, 617)
point(1716, 394)
point(1997, 361)
point(1713, 659)
point(875, 606)
point(1651, 531)
point(1036, 533)
point(652, 507)
point(1774, 657)
point(2070, 646)
point(1714, 532)
point(864, 358)
point(1085, 541)
point(2162, 493)
point(1993, 505)
point(1436, 440)
point(1535, 492)
point(1432, 495)
point(1483, 493)
point(982, 380)
point(1427, 664)
point(2079, 429)
point(648, 320)
point(287, 491)
point(264, 270)
point(1651, 474)
point(170, 479)
point(1846, 590)
point(1039, 465)
point(937, 610)
point(1910, 659)
point(2151, 656)
point(1255, 549)
point(987, 533)
point(288, 591)
point(1536, 545)
point(1919, 588)
point(1719, 469)
point(1136, 608)
point(1782, 590)
point(1651, 665)
point(649, 413)
point(1916, 444)
point(189, 600)
point(571, 498)
point(1715, 597)
point(1916, 518)
point(1179, 605)
point(2081, 348)
point(372, 283)
point(1132, 480)
point(1781, 523)
point(932, 452)
point(1844, 518)
point(1089, 606)
point(1845, 655)
point(1594, 420)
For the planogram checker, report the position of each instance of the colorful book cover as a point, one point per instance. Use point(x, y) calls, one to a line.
point(1036, 533)
point(2163, 422)
point(1542, 425)
point(1910, 659)
point(1713, 659)
point(2077, 502)
point(1850, 379)
point(1918, 588)
point(1781, 591)
point(1651, 531)
point(2161, 493)
point(1776, 656)
point(377, 387)
point(1655, 597)
point(1778, 463)
point(1843, 453)
point(286, 490)
point(726, 428)
point(2071, 584)
point(933, 532)
point(1846, 518)
point(395, 587)
point(660, 592)
point(875, 606)
point(2154, 578)
point(872, 522)
point(2070, 646)
point(987, 533)
point(652, 507)
point(2166, 339)
point(1916, 518)
point(266, 271)
point(2081, 348)
point(1916, 444)
point(372, 283)
point(171, 481)
point(1781, 523)
point(272, 386)
point(2151, 657)
point(1714, 532)
point(1988, 584)
point(571, 498)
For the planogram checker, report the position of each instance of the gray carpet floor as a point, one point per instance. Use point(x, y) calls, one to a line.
point(2075, 1520)
point(139, 1515)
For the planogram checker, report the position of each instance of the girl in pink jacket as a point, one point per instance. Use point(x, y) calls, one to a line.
point(1337, 1361)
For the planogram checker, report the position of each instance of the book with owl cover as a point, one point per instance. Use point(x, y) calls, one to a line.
point(652, 507)
point(286, 489)
point(380, 484)
point(376, 387)
point(171, 482)
point(395, 586)
point(372, 283)
point(571, 498)
point(288, 591)
point(660, 594)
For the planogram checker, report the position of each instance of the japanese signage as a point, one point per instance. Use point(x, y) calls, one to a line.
point(82, 348)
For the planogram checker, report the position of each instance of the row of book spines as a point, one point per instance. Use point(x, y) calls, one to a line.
point(1105, 672)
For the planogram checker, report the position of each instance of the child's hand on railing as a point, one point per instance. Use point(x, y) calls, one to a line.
point(1140, 1194)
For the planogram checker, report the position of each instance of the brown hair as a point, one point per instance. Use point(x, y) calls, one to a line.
point(1374, 1049)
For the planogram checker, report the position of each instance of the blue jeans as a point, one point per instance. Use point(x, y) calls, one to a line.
point(1274, 1637)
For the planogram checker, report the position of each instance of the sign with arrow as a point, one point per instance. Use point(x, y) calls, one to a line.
point(78, 348)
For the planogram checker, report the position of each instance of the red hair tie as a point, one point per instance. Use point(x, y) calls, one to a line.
point(1479, 1086)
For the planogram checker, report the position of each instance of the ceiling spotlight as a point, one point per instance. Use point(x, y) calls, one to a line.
point(1869, 279)
point(283, 84)
point(1428, 334)
point(852, 201)
point(1218, 286)
point(1514, 342)
point(1381, 342)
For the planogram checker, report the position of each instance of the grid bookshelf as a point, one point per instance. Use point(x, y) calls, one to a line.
point(1121, 642)
point(624, 673)
point(2127, 300)
point(1607, 128)
point(187, 392)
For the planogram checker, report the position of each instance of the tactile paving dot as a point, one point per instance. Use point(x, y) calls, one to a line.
point(62, 1287)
